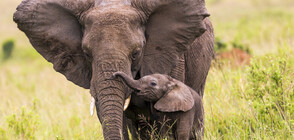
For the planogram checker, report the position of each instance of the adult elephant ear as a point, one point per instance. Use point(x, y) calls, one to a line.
point(53, 29)
point(171, 27)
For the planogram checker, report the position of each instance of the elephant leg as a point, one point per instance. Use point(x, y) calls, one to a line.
point(183, 131)
point(179, 71)
point(198, 128)
point(198, 59)
point(135, 124)
point(199, 134)
point(185, 125)
point(125, 129)
point(131, 121)
point(182, 135)
point(200, 91)
point(133, 129)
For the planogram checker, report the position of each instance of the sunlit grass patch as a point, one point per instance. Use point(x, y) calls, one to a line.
point(27, 80)
point(25, 124)
point(261, 28)
point(255, 102)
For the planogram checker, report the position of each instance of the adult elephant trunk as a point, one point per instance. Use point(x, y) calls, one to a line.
point(109, 94)
point(134, 84)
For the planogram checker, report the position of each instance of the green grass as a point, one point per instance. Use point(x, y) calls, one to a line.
point(37, 102)
point(255, 102)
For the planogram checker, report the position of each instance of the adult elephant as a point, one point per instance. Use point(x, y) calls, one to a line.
point(87, 41)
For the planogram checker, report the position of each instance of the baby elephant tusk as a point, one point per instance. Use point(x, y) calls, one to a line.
point(92, 106)
point(127, 103)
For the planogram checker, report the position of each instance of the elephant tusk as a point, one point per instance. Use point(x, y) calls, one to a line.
point(127, 103)
point(92, 106)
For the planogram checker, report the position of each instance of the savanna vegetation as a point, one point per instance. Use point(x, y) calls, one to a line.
point(254, 101)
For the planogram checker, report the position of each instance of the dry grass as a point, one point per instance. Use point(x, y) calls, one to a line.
point(60, 110)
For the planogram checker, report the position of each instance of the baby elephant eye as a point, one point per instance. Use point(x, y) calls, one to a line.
point(153, 83)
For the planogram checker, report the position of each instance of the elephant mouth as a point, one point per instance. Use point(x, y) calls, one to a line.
point(127, 100)
point(92, 104)
point(140, 93)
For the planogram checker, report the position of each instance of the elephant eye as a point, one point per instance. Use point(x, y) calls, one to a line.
point(153, 83)
point(87, 55)
point(136, 54)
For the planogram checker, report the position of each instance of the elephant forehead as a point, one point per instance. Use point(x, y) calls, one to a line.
point(106, 2)
point(116, 26)
point(154, 77)
point(148, 78)
point(113, 14)
point(159, 76)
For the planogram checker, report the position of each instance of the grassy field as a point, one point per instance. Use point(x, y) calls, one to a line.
point(247, 102)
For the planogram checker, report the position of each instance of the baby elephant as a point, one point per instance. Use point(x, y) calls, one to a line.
point(172, 100)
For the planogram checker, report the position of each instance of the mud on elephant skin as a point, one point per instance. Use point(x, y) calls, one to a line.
point(173, 101)
point(88, 40)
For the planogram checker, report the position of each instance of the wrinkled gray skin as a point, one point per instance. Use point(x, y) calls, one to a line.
point(87, 41)
point(173, 101)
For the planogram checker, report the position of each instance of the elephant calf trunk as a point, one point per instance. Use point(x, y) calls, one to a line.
point(134, 84)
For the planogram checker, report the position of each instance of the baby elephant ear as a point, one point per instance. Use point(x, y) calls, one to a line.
point(179, 99)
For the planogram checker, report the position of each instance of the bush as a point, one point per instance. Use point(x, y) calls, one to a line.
point(25, 124)
point(242, 47)
point(270, 90)
point(3, 134)
point(7, 48)
point(220, 45)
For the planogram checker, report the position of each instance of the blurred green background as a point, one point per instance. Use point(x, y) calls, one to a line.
point(241, 100)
